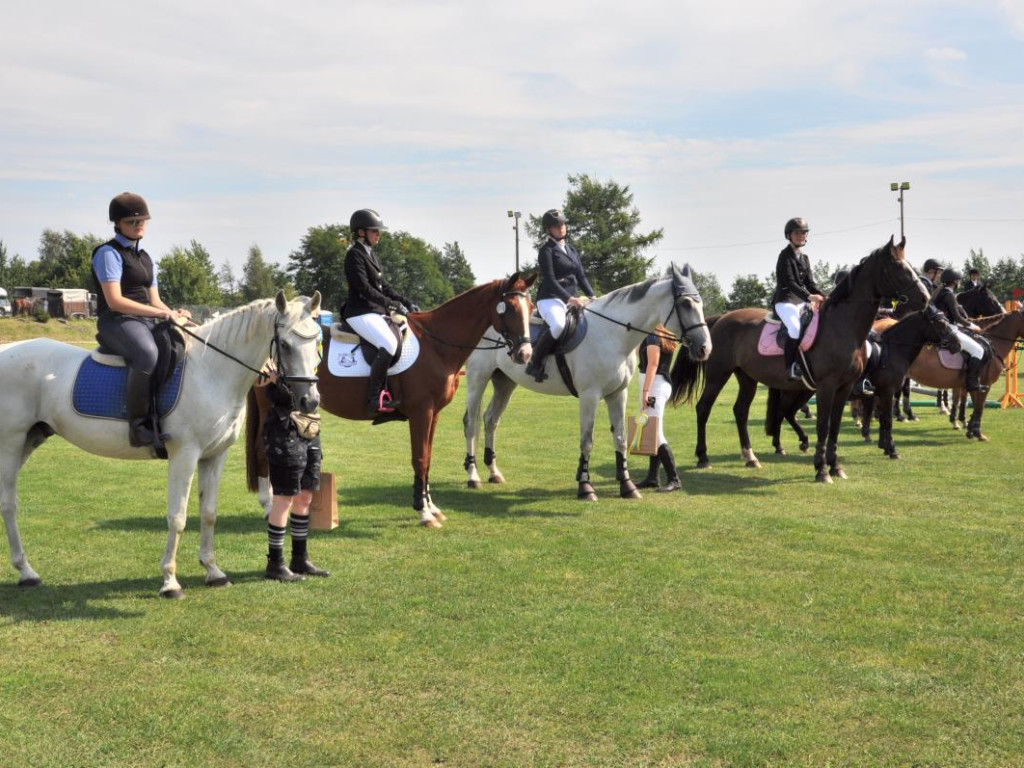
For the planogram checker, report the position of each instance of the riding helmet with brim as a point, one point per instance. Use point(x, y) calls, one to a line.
point(930, 264)
point(950, 276)
point(796, 225)
point(365, 218)
point(128, 205)
point(552, 218)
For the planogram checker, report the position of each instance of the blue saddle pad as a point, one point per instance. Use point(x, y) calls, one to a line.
point(100, 391)
point(564, 345)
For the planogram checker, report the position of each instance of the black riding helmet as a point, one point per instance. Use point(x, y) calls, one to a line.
point(365, 218)
point(796, 225)
point(930, 264)
point(551, 218)
point(128, 205)
point(950, 276)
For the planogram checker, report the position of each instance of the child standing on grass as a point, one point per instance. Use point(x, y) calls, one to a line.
point(292, 443)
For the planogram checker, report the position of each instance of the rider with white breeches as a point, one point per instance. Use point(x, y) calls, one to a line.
point(945, 300)
point(794, 288)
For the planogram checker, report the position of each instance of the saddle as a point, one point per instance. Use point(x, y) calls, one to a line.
point(572, 336)
point(773, 333)
point(343, 333)
point(171, 346)
point(956, 361)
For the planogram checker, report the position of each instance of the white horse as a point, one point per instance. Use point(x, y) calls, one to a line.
point(37, 378)
point(601, 367)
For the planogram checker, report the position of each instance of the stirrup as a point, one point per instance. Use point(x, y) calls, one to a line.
point(796, 372)
point(385, 403)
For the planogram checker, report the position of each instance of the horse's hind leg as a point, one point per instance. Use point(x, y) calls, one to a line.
point(209, 484)
point(12, 456)
point(502, 388)
point(588, 411)
point(741, 412)
point(713, 383)
point(475, 386)
point(616, 403)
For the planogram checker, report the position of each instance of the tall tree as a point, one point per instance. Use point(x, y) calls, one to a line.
point(455, 268)
point(411, 267)
point(187, 276)
point(257, 277)
point(65, 259)
point(1006, 275)
point(710, 293)
point(230, 296)
point(319, 264)
point(603, 226)
point(747, 291)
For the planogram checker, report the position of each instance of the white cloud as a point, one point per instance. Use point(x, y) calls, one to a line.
point(945, 54)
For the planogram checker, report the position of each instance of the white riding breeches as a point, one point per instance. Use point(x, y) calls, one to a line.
point(969, 345)
point(661, 389)
point(375, 330)
point(789, 314)
point(553, 311)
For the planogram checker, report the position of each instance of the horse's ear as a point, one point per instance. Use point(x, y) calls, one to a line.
point(314, 303)
point(531, 279)
point(686, 270)
point(281, 302)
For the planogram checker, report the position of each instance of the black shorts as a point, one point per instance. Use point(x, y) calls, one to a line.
point(288, 481)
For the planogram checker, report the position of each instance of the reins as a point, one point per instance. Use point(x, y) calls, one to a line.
point(655, 332)
point(226, 354)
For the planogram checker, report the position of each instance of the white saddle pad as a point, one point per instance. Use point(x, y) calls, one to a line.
point(346, 360)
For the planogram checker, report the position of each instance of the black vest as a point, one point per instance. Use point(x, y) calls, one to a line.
point(664, 362)
point(136, 276)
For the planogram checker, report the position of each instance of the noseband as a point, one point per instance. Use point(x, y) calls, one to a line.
point(512, 341)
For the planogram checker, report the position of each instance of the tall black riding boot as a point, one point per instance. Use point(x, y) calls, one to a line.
point(673, 484)
point(974, 375)
point(651, 481)
point(138, 396)
point(794, 371)
point(541, 349)
point(863, 386)
point(374, 388)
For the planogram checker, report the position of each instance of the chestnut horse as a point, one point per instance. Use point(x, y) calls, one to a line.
point(447, 335)
point(1002, 332)
point(836, 360)
point(901, 342)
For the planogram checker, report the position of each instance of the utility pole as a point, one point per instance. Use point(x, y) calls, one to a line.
point(900, 187)
point(516, 215)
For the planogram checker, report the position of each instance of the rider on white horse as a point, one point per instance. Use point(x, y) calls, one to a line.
point(369, 298)
point(128, 304)
point(561, 275)
point(794, 287)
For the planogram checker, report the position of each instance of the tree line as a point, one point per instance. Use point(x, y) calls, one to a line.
point(604, 225)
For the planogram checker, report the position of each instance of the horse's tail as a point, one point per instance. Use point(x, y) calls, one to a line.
point(687, 378)
point(252, 436)
point(773, 413)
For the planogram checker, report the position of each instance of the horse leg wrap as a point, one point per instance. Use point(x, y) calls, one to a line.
point(621, 470)
point(419, 495)
point(469, 462)
point(583, 470)
point(489, 456)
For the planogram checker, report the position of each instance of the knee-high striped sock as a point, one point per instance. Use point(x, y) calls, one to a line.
point(275, 538)
point(300, 532)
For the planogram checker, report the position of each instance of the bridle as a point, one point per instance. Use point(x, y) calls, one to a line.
point(678, 295)
point(503, 307)
point(274, 353)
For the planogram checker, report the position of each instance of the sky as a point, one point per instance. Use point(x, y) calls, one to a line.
point(248, 122)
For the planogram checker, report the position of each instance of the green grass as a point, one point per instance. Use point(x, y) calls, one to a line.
point(19, 328)
point(755, 619)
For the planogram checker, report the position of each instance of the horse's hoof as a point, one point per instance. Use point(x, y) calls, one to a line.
point(35, 581)
point(981, 438)
point(780, 451)
point(867, 438)
point(703, 464)
point(473, 484)
point(432, 523)
point(753, 464)
point(496, 479)
point(586, 492)
point(439, 515)
point(628, 491)
point(838, 472)
point(805, 447)
point(823, 477)
point(173, 594)
point(894, 455)
point(223, 581)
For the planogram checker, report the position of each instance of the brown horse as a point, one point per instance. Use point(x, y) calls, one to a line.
point(836, 360)
point(1002, 332)
point(446, 335)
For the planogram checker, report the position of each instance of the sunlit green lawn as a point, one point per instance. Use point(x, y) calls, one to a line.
point(754, 619)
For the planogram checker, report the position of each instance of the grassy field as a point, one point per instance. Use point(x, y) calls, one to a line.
point(19, 328)
point(754, 619)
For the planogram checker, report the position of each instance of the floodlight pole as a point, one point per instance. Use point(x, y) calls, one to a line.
point(516, 215)
point(900, 186)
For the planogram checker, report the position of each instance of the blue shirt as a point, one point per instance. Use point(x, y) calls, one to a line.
point(107, 262)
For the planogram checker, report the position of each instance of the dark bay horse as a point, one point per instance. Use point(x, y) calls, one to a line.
point(978, 303)
point(447, 335)
point(901, 343)
point(836, 360)
point(1002, 332)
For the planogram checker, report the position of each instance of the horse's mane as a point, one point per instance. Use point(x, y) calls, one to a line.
point(630, 293)
point(842, 291)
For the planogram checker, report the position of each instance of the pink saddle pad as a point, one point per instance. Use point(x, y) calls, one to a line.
point(769, 347)
point(952, 360)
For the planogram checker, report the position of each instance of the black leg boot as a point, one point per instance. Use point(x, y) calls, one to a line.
point(378, 378)
point(974, 375)
point(138, 396)
point(545, 343)
point(673, 484)
point(863, 385)
point(651, 481)
point(794, 371)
